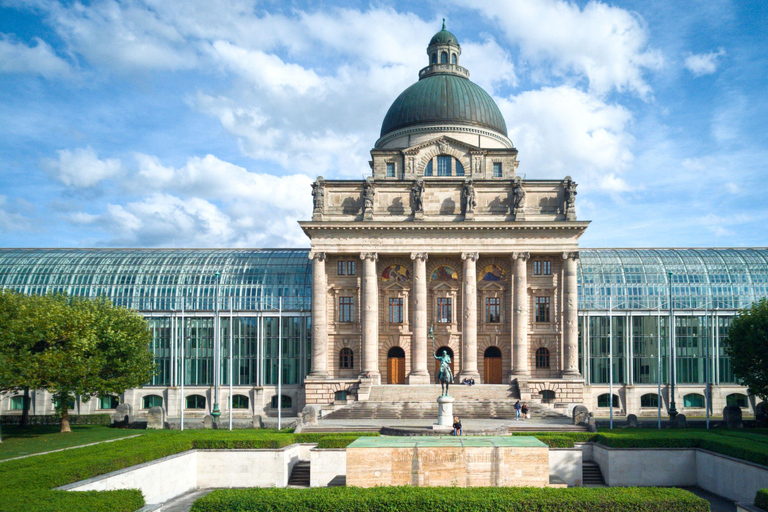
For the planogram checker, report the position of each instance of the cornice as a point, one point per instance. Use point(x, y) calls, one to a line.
point(445, 226)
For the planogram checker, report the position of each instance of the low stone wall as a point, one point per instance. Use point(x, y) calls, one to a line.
point(327, 465)
point(725, 476)
point(566, 463)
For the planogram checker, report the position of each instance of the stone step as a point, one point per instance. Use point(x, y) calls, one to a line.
point(591, 474)
point(300, 475)
point(476, 409)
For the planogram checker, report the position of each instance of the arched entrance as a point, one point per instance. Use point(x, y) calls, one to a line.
point(396, 366)
point(492, 365)
point(437, 363)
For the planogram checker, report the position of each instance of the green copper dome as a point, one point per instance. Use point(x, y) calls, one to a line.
point(444, 98)
point(444, 37)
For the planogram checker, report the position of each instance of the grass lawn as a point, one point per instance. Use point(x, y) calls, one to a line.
point(18, 441)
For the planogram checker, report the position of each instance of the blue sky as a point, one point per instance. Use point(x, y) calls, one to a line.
point(162, 123)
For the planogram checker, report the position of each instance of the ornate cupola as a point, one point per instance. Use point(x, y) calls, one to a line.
point(443, 52)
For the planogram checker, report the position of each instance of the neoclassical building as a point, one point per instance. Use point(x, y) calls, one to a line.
point(442, 248)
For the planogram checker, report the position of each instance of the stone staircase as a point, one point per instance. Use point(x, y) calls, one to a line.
point(591, 474)
point(487, 401)
point(299, 475)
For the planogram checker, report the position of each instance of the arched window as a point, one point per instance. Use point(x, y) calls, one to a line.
point(108, 402)
point(453, 58)
point(70, 402)
point(428, 169)
point(240, 402)
point(547, 395)
point(285, 402)
point(151, 401)
point(444, 165)
point(434, 58)
point(340, 395)
point(602, 400)
point(195, 402)
point(17, 403)
point(443, 57)
point(346, 358)
point(649, 400)
point(459, 169)
point(693, 400)
point(542, 358)
point(737, 399)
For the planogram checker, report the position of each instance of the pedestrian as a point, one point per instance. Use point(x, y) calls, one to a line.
point(517, 410)
point(456, 426)
point(524, 410)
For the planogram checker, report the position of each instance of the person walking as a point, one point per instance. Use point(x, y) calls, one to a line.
point(517, 410)
point(524, 410)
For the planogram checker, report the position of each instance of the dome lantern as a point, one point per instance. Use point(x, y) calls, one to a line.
point(443, 49)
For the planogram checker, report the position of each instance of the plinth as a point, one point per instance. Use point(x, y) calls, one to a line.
point(445, 411)
point(445, 461)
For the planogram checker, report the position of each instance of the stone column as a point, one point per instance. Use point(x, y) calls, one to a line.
point(370, 316)
point(570, 317)
point(520, 315)
point(319, 317)
point(469, 338)
point(419, 373)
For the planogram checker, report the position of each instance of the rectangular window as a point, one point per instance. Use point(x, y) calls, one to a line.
point(493, 310)
point(547, 268)
point(346, 268)
point(537, 268)
point(542, 309)
point(390, 170)
point(443, 166)
point(497, 169)
point(444, 310)
point(346, 308)
point(395, 310)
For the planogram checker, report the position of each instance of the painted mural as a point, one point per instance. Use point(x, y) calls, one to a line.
point(444, 273)
point(492, 273)
point(397, 273)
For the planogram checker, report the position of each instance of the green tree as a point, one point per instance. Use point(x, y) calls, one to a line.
point(78, 347)
point(747, 346)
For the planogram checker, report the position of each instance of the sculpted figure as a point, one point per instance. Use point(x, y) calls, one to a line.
point(569, 187)
point(518, 196)
point(417, 196)
point(318, 194)
point(368, 193)
point(445, 376)
point(468, 197)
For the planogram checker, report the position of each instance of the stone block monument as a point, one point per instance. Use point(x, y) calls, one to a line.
point(123, 415)
point(156, 418)
point(732, 416)
point(580, 415)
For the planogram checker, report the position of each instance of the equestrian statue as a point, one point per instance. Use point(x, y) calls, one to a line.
point(445, 376)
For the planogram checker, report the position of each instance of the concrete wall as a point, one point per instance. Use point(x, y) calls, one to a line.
point(566, 463)
point(325, 465)
point(159, 480)
point(725, 476)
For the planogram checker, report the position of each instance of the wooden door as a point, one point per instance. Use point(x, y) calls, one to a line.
point(492, 365)
point(396, 366)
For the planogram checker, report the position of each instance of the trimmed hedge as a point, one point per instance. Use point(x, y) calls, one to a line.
point(761, 499)
point(452, 499)
point(27, 485)
point(55, 419)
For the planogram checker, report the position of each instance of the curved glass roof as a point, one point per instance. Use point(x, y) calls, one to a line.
point(701, 278)
point(165, 279)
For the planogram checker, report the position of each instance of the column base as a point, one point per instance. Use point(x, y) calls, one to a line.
point(374, 377)
point(318, 375)
point(418, 378)
point(571, 374)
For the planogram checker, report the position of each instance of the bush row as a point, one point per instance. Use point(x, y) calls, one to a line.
point(55, 419)
point(233, 441)
point(451, 499)
point(761, 499)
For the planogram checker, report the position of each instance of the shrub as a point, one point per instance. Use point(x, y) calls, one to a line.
point(761, 499)
point(451, 499)
point(55, 419)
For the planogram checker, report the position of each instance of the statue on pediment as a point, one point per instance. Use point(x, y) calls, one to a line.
point(468, 200)
point(417, 196)
point(569, 198)
point(517, 204)
point(318, 195)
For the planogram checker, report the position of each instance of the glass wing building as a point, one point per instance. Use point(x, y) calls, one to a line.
point(261, 301)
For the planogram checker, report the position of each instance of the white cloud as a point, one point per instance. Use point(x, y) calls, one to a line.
point(607, 45)
point(491, 65)
point(82, 168)
point(15, 57)
point(704, 63)
point(563, 131)
point(11, 216)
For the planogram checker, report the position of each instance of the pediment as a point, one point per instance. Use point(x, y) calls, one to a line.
point(491, 286)
point(445, 285)
point(443, 140)
point(396, 286)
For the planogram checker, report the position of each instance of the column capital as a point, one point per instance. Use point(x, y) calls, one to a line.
point(373, 256)
point(423, 256)
point(520, 255)
point(571, 255)
point(320, 256)
point(474, 256)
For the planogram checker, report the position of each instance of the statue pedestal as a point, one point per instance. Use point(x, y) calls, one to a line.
point(444, 415)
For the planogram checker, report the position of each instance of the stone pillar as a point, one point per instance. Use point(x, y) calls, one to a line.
point(520, 315)
point(571, 317)
point(370, 316)
point(419, 373)
point(319, 317)
point(469, 338)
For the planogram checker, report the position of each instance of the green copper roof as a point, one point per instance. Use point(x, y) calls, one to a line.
point(444, 37)
point(444, 98)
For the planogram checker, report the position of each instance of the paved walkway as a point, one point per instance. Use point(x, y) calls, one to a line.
point(70, 448)
point(469, 424)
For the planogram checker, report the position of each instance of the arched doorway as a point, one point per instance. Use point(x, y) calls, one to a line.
point(437, 363)
point(396, 366)
point(492, 365)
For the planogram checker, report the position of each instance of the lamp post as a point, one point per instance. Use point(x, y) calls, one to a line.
point(216, 355)
point(672, 408)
